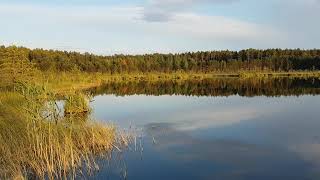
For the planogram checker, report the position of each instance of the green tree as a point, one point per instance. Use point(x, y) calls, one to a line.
point(15, 67)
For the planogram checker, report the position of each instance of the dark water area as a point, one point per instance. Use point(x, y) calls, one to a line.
point(215, 129)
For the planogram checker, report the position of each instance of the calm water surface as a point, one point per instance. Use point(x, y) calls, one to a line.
point(216, 137)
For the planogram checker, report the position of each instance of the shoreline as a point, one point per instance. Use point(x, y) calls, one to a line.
point(67, 81)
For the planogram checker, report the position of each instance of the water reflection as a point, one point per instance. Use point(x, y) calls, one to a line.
point(273, 136)
point(215, 87)
point(225, 158)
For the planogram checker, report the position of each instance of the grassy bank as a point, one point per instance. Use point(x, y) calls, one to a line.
point(294, 74)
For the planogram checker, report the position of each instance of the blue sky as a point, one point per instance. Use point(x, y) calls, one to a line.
point(148, 26)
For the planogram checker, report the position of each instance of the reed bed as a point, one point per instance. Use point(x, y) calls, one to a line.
point(37, 142)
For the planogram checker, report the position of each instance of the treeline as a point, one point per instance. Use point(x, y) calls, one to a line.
point(214, 87)
point(210, 61)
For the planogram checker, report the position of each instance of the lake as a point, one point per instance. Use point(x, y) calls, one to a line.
point(214, 129)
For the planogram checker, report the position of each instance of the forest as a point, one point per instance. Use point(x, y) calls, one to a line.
point(275, 60)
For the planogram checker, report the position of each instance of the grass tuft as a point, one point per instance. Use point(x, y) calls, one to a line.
point(77, 103)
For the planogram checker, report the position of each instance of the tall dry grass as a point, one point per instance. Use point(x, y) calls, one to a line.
point(37, 142)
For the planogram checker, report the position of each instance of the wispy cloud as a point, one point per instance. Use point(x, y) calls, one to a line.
point(218, 27)
point(164, 10)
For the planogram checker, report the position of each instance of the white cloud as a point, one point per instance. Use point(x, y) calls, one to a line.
point(219, 27)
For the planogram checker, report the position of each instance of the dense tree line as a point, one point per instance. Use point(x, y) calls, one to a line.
point(210, 61)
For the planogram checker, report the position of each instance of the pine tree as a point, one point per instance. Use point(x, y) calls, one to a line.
point(15, 67)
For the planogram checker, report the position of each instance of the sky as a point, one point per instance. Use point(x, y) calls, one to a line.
point(159, 26)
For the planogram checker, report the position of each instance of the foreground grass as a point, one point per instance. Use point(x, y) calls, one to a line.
point(35, 142)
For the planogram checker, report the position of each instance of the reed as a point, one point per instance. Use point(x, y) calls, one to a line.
point(37, 142)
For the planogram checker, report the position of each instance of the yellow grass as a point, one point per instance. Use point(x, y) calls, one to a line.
point(32, 144)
